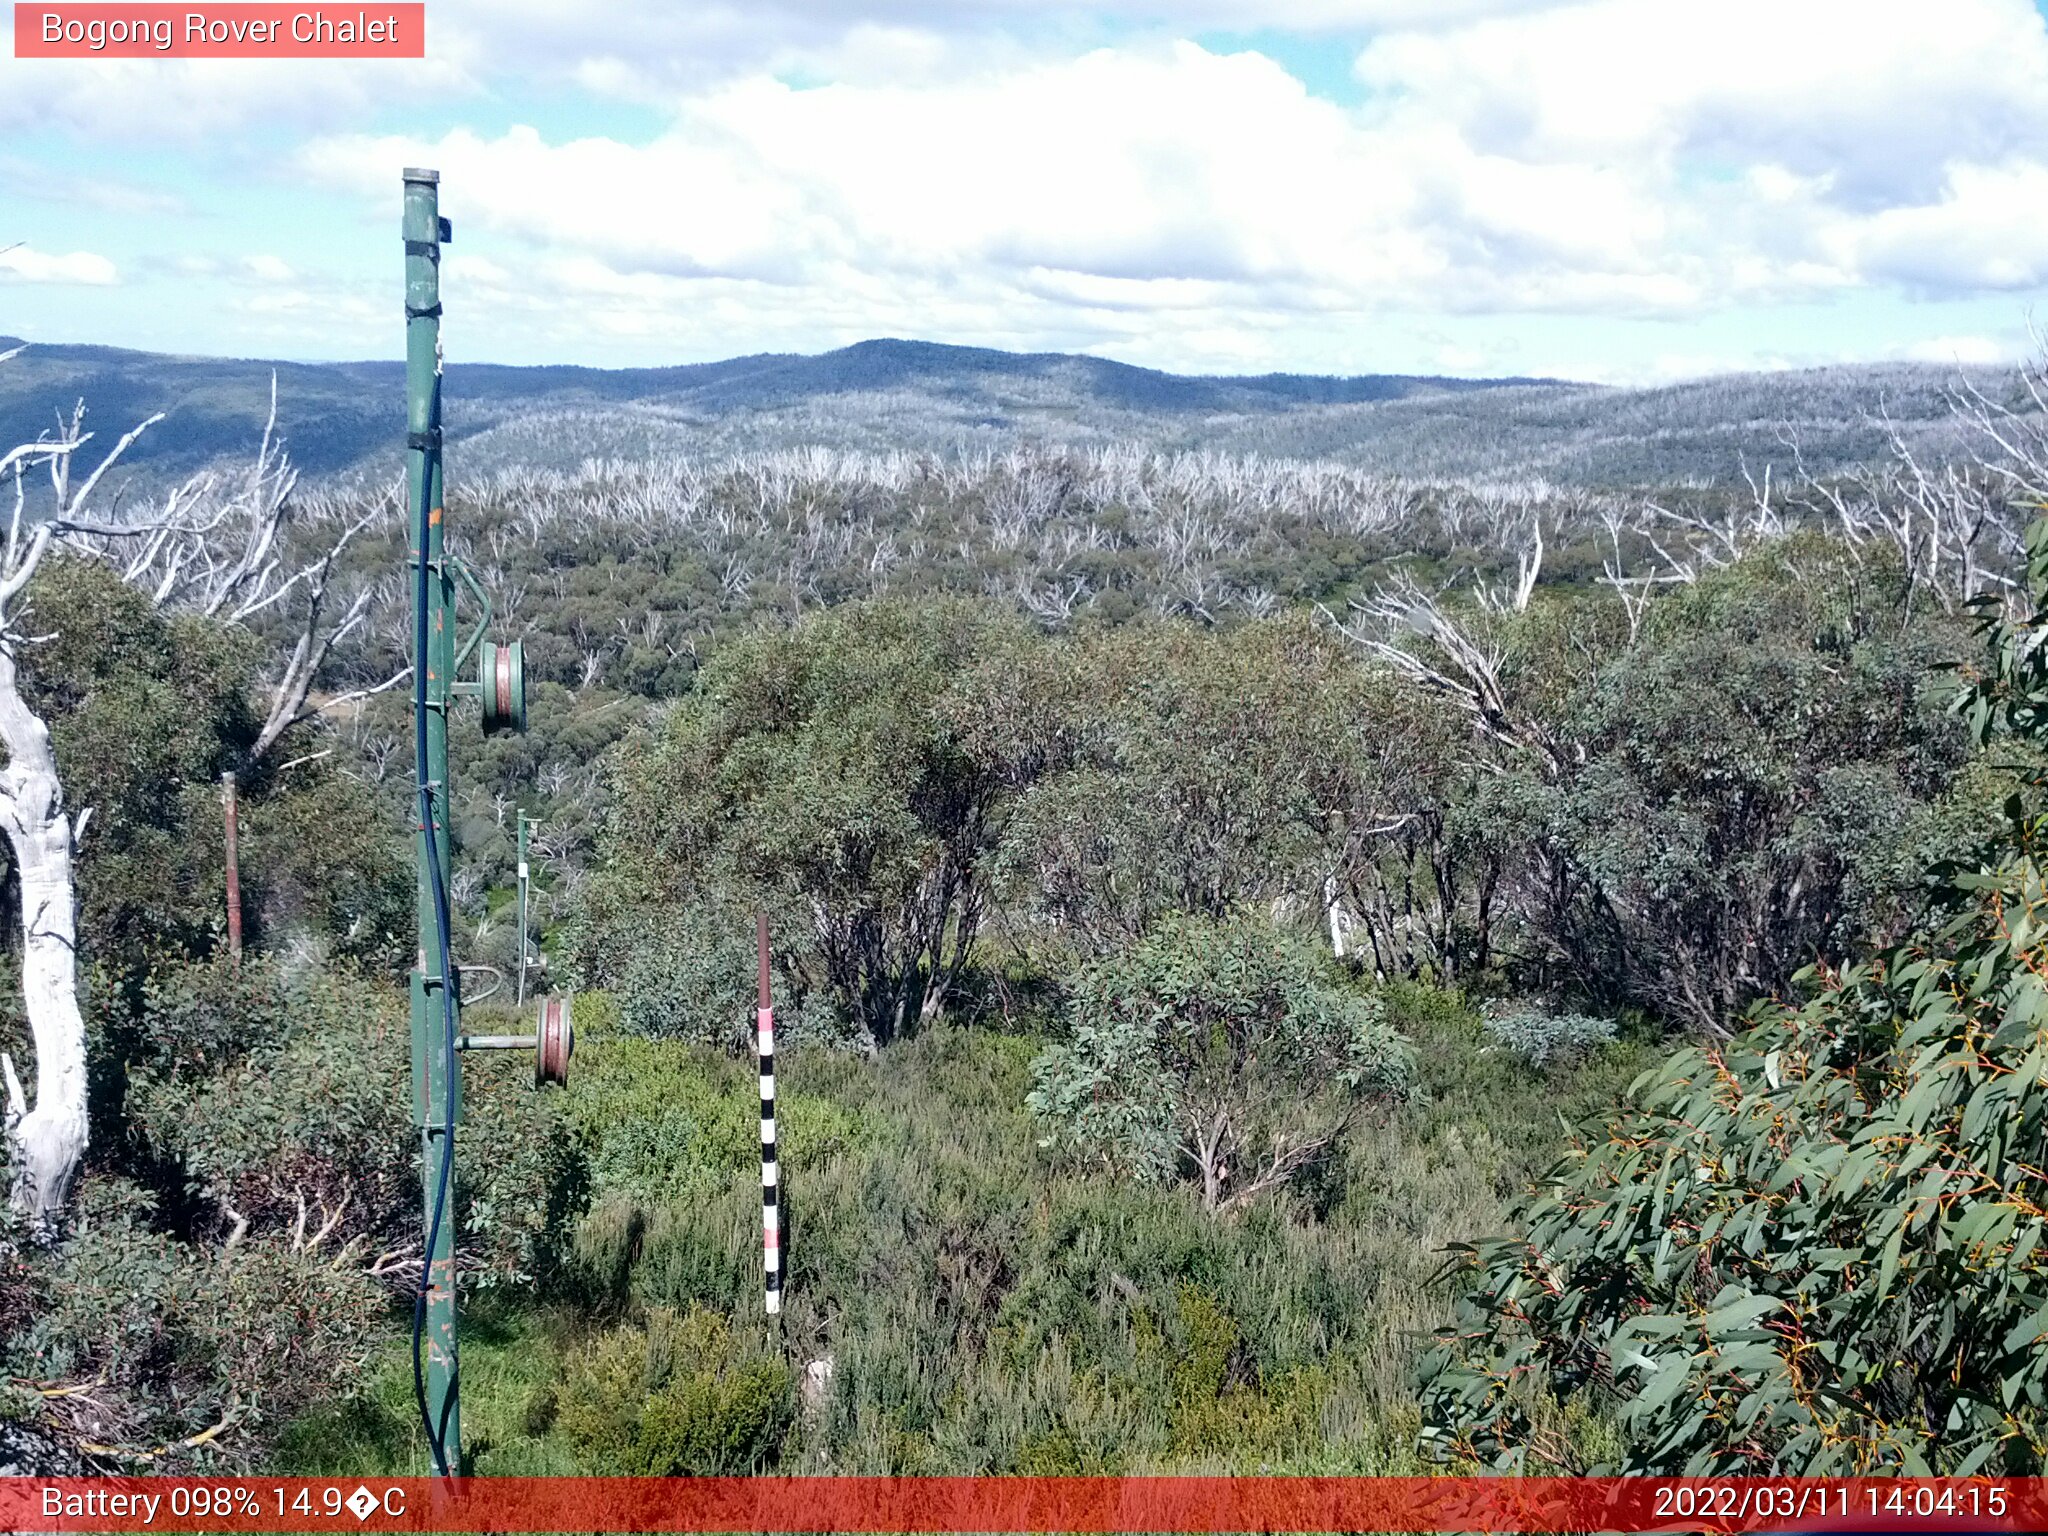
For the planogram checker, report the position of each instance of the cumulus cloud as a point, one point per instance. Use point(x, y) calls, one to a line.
point(1792, 144)
point(1877, 95)
point(1133, 176)
point(1020, 172)
point(650, 51)
point(1960, 350)
point(1605, 156)
point(1981, 232)
point(26, 264)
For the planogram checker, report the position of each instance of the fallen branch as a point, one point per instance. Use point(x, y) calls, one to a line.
point(191, 1442)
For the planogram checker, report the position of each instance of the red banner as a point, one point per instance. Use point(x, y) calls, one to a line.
point(234, 31)
point(1005, 1504)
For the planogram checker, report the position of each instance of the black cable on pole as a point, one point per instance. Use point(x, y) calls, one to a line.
point(439, 888)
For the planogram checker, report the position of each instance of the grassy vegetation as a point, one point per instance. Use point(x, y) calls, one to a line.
point(984, 1308)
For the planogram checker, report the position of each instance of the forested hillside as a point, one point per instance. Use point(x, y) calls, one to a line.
point(874, 395)
point(1200, 882)
point(881, 397)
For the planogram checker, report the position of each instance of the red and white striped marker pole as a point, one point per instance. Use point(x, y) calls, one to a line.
point(771, 1179)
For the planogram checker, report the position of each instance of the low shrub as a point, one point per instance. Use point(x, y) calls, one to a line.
point(688, 973)
point(679, 1396)
point(182, 1344)
point(280, 1101)
point(1222, 1051)
point(1542, 1038)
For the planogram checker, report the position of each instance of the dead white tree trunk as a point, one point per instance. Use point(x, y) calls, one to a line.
point(46, 1139)
point(49, 1139)
point(200, 549)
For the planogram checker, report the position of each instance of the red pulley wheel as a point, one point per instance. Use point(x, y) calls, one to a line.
point(556, 1038)
point(501, 685)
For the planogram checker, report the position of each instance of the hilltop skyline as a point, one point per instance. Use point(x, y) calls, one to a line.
point(890, 397)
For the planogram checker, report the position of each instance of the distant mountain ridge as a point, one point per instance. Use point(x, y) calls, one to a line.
point(338, 415)
point(891, 394)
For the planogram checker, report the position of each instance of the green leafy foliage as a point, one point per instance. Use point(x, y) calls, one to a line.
point(1673, 819)
point(985, 1308)
point(1816, 1247)
point(145, 710)
point(277, 1103)
point(1540, 1037)
point(669, 1134)
point(816, 772)
point(174, 1348)
point(522, 1178)
point(1677, 815)
point(1162, 768)
point(689, 973)
point(353, 894)
point(970, 831)
point(275, 1096)
point(1221, 1049)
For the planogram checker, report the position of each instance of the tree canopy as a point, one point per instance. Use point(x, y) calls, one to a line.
point(1816, 1247)
point(1220, 1049)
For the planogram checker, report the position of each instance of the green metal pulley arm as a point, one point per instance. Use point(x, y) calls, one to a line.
point(483, 622)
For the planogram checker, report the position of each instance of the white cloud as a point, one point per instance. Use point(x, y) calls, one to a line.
point(209, 102)
point(263, 268)
point(647, 51)
point(657, 50)
point(1960, 349)
point(1606, 156)
point(1164, 168)
point(833, 170)
point(1983, 231)
point(1794, 145)
point(26, 264)
point(25, 179)
point(1877, 95)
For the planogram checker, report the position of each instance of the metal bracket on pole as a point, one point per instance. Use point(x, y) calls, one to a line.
point(483, 620)
point(552, 1042)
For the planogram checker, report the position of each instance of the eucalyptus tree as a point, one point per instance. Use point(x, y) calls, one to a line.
point(819, 771)
point(1218, 1050)
point(1815, 1247)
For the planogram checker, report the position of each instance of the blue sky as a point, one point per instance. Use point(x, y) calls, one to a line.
point(1624, 190)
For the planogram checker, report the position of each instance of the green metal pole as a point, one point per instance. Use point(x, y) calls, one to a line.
point(434, 1066)
point(524, 822)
